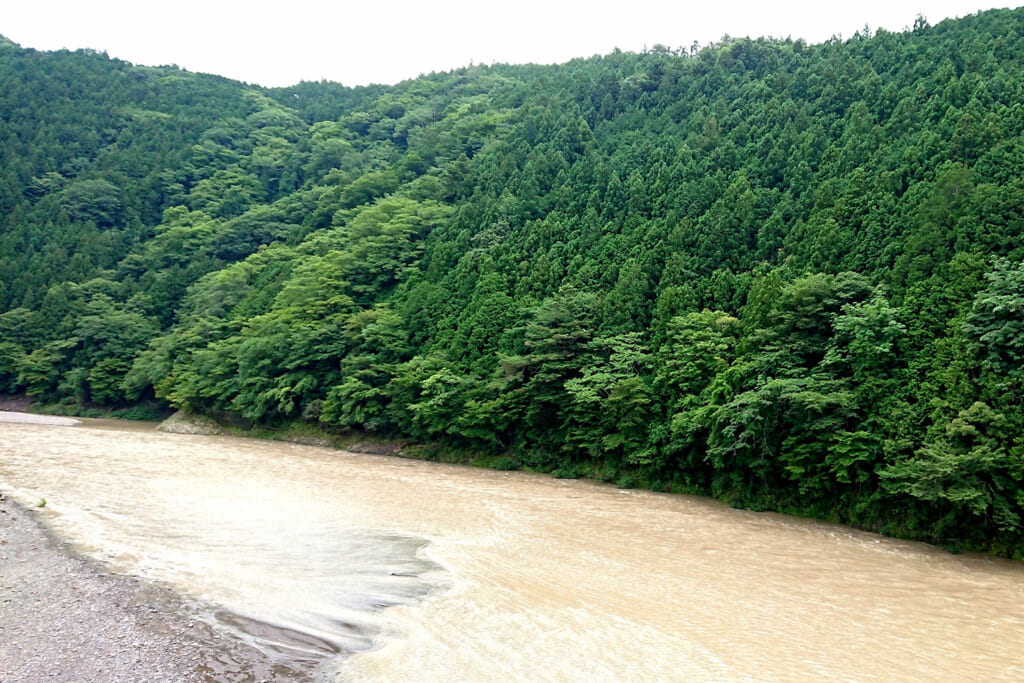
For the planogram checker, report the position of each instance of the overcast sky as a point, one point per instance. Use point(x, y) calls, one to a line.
point(355, 43)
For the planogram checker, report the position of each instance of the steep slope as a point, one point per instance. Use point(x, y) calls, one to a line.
point(787, 275)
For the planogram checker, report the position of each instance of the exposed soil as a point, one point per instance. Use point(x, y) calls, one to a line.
point(16, 403)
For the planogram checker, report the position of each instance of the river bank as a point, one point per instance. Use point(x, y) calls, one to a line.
point(63, 618)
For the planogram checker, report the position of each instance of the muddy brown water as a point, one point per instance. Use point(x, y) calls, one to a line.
point(379, 568)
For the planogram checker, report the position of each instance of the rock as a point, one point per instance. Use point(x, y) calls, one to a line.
point(187, 423)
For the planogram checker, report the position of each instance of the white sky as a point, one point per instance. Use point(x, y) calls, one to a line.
point(386, 41)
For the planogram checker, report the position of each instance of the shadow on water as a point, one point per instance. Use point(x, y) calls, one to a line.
point(391, 571)
point(287, 655)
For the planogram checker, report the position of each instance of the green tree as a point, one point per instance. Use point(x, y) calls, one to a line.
point(611, 402)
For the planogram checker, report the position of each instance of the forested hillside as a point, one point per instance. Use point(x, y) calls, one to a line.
point(787, 275)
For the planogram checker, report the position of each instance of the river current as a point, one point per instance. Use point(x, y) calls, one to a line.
point(381, 568)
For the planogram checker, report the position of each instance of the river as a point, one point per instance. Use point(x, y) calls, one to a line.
point(376, 568)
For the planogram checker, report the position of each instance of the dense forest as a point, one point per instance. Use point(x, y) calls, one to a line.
point(790, 276)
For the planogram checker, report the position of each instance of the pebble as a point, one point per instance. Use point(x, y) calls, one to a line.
point(65, 620)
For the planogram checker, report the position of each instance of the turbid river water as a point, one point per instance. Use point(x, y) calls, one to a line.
point(380, 568)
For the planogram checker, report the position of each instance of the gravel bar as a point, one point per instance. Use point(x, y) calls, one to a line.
point(63, 618)
point(32, 418)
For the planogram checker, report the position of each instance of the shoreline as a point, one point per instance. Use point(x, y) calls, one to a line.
point(63, 617)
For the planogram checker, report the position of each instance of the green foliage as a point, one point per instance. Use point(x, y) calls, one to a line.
point(788, 275)
point(967, 475)
point(92, 200)
point(611, 402)
point(996, 324)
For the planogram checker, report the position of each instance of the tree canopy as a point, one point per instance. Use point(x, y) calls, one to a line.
point(787, 275)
